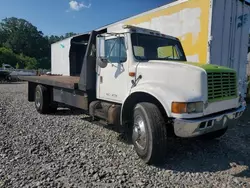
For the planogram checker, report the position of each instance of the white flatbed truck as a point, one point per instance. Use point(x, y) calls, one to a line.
point(140, 79)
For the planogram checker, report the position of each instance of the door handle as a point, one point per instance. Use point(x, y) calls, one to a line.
point(101, 79)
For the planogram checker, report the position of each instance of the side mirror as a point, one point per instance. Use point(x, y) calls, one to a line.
point(101, 58)
point(102, 62)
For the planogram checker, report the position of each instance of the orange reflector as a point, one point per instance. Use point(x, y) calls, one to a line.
point(179, 107)
point(132, 74)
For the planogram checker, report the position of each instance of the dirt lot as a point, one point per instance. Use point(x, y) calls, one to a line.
point(65, 150)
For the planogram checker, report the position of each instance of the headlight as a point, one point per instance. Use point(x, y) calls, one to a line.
point(182, 107)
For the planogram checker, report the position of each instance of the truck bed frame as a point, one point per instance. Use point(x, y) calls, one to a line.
point(62, 89)
point(77, 90)
point(67, 82)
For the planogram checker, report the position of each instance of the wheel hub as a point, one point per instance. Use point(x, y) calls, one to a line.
point(38, 97)
point(139, 133)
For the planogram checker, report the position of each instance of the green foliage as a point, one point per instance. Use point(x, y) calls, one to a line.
point(248, 81)
point(17, 66)
point(7, 57)
point(44, 63)
point(53, 38)
point(22, 37)
point(24, 46)
point(28, 62)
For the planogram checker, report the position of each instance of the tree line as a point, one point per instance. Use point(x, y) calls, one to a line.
point(23, 46)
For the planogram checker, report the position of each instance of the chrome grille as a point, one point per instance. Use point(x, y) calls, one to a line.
point(221, 85)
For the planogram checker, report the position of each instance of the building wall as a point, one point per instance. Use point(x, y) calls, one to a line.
point(248, 65)
point(186, 19)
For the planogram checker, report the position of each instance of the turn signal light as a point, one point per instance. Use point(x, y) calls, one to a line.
point(132, 74)
point(179, 107)
point(189, 107)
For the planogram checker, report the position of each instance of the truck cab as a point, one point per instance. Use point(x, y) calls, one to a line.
point(140, 79)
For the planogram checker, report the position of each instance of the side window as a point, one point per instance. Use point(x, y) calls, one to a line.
point(115, 50)
point(93, 51)
point(139, 51)
point(168, 51)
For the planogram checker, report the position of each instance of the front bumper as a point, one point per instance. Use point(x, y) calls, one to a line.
point(195, 127)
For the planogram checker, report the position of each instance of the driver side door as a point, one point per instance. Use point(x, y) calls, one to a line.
point(112, 80)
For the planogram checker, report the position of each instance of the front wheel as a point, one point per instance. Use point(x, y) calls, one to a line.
point(149, 135)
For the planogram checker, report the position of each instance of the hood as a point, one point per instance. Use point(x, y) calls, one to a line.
point(205, 67)
point(188, 82)
point(184, 79)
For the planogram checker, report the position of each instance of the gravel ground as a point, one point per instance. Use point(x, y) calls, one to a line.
point(65, 150)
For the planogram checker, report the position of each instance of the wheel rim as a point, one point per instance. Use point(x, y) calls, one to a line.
point(38, 97)
point(139, 135)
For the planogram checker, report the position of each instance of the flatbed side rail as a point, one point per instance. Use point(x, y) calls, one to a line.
point(68, 82)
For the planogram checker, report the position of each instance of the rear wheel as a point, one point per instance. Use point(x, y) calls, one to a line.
point(43, 101)
point(149, 135)
point(53, 107)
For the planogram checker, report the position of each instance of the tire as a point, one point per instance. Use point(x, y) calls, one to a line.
point(53, 108)
point(42, 100)
point(9, 78)
point(149, 133)
point(214, 135)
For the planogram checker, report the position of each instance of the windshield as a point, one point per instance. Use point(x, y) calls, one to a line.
point(149, 47)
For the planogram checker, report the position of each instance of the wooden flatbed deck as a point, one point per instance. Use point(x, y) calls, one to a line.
point(69, 82)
